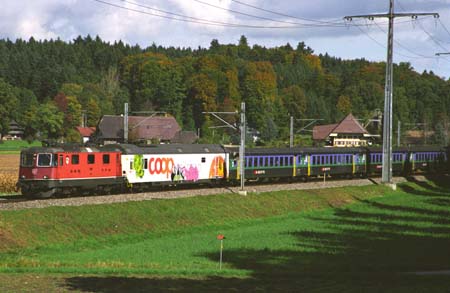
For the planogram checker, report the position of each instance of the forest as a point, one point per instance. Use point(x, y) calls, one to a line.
point(46, 86)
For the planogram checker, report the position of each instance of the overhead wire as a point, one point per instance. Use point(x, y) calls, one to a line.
point(256, 16)
point(286, 15)
point(406, 48)
point(334, 22)
point(384, 47)
point(186, 18)
point(445, 28)
point(433, 38)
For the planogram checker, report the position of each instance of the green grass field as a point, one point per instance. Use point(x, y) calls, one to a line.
point(347, 239)
point(15, 146)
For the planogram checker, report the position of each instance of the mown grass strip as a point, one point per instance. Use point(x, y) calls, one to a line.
point(42, 227)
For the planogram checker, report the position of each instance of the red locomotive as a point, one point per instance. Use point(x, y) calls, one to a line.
point(45, 171)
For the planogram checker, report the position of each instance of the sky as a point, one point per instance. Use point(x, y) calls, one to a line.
point(270, 23)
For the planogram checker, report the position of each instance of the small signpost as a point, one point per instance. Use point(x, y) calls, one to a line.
point(221, 238)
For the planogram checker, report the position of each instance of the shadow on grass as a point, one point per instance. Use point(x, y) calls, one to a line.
point(366, 247)
point(441, 183)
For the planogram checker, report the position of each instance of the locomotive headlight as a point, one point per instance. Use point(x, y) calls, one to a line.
point(23, 177)
point(45, 177)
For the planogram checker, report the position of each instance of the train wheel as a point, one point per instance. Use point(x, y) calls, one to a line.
point(46, 194)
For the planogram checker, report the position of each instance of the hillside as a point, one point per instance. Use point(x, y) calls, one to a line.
point(46, 85)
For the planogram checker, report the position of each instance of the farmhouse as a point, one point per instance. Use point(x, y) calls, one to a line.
point(347, 133)
point(147, 129)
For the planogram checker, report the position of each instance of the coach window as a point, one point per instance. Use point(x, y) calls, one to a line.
point(106, 159)
point(203, 159)
point(61, 160)
point(91, 159)
point(145, 164)
point(75, 159)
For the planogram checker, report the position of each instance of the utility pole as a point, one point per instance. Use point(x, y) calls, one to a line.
point(398, 132)
point(291, 133)
point(83, 118)
point(125, 123)
point(386, 176)
point(242, 148)
point(243, 131)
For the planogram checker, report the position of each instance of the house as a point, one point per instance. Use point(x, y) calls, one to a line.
point(86, 133)
point(347, 133)
point(148, 129)
point(15, 132)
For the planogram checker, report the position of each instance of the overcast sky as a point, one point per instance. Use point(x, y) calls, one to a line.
point(310, 21)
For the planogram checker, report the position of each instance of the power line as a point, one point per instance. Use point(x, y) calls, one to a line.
point(264, 18)
point(445, 28)
point(285, 15)
point(189, 19)
point(384, 47)
point(316, 24)
point(334, 23)
point(407, 49)
point(432, 38)
point(435, 39)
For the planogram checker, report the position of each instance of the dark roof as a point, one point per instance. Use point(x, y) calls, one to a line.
point(185, 137)
point(348, 125)
point(321, 132)
point(140, 127)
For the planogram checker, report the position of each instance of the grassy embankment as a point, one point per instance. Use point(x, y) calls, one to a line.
point(284, 240)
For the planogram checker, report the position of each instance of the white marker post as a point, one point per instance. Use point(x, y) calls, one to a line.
point(221, 238)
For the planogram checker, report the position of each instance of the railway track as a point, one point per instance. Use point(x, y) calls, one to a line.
point(12, 199)
point(20, 202)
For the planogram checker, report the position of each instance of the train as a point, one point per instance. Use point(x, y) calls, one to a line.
point(68, 170)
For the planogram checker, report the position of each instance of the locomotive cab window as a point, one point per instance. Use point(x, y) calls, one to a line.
point(44, 160)
point(91, 159)
point(106, 159)
point(27, 160)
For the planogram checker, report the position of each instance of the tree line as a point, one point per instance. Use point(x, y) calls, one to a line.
point(46, 86)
